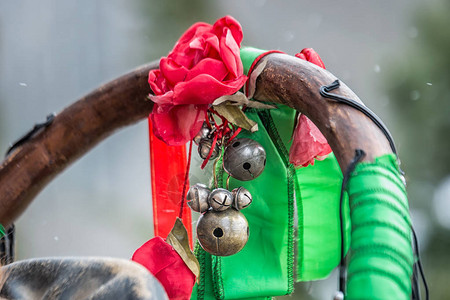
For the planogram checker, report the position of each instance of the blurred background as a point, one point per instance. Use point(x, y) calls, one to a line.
point(394, 54)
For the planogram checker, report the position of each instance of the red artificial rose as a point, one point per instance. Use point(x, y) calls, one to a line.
point(308, 142)
point(204, 65)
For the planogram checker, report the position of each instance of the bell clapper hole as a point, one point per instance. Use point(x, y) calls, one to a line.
point(247, 167)
point(218, 232)
point(236, 144)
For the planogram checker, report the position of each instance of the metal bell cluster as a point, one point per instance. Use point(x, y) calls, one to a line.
point(201, 199)
point(222, 229)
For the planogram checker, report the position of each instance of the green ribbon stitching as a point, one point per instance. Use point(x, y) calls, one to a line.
point(200, 254)
point(269, 124)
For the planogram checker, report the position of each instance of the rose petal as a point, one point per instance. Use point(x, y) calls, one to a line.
point(308, 143)
point(312, 56)
point(213, 46)
point(164, 99)
point(172, 71)
point(195, 30)
point(204, 89)
point(197, 43)
point(183, 53)
point(229, 52)
point(232, 24)
point(178, 125)
point(208, 66)
point(157, 82)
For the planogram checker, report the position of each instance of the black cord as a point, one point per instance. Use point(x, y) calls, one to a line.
point(415, 290)
point(359, 154)
point(418, 264)
point(31, 133)
point(324, 91)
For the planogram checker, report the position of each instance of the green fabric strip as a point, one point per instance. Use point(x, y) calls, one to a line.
point(219, 171)
point(381, 257)
point(269, 124)
point(248, 55)
point(2, 231)
point(319, 240)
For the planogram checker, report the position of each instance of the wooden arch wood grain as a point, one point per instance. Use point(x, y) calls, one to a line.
point(79, 127)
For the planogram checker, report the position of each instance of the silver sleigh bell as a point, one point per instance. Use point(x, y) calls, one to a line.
point(241, 198)
point(202, 134)
point(222, 233)
point(204, 141)
point(197, 197)
point(244, 159)
point(220, 199)
point(204, 147)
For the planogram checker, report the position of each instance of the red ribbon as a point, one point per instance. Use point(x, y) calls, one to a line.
point(168, 170)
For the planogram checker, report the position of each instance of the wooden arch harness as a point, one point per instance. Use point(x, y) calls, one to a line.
point(122, 102)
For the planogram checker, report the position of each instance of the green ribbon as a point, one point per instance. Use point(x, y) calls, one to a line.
point(319, 237)
point(2, 231)
point(381, 259)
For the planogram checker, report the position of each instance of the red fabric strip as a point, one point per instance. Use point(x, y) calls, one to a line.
point(168, 167)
